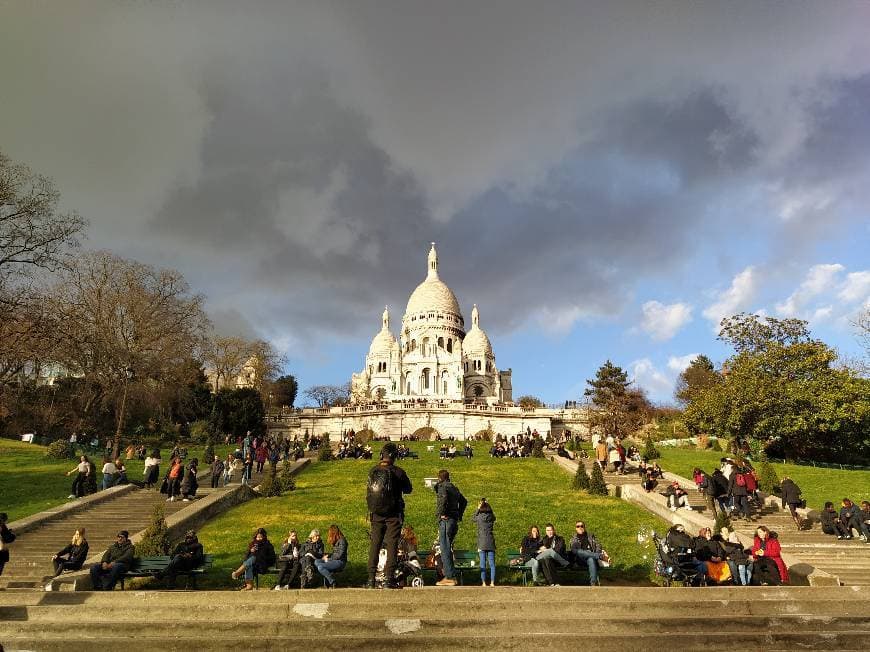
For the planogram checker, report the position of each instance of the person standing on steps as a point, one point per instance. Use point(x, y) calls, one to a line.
point(79, 485)
point(450, 505)
point(791, 498)
point(386, 485)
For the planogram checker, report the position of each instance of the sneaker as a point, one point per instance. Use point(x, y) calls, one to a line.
point(673, 509)
point(278, 587)
point(555, 585)
point(839, 536)
point(447, 581)
point(71, 496)
point(48, 587)
point(186, 500)
point(169, 500)
point(688, 508)
point(605, 559)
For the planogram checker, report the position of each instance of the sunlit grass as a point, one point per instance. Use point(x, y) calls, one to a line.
point(30, 482)
point(522, 493)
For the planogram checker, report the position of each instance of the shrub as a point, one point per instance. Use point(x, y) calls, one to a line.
point(199, 431)
point(650, 452)
point(325, 452)
point(208, 454)
point(722, 520)
point(702, 442)
point(597, 486)
point(60, 450)
point(716, 446)
point(365, 435)
point(538, 447)
point(768, 481)
point(581, 478)
point(155, 541)
point(275, 484)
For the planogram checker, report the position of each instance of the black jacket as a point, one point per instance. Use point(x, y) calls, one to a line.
point(192, 548)
point(529, 547)
point(339, 551)
point(577, 544)
point(76, 554)
point(734, 552)
point(120, 553)
point(449, 501)
point(287, 549)
point(264, 554)
point(828, 518)
point(791, 493)
point(401, 484)
point(679, 540)
point(717, 485)
point(555, 542)
point(706, 549)
point(313, 548)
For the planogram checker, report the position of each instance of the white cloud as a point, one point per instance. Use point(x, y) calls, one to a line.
point(736, 298)
point(856, 287)
point(679, 363)
point(662, 322)
point(657, 384)
point(820, 280)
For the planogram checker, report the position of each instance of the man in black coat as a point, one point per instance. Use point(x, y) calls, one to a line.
point(450, 504)
point(187, 555)
point(115, 562)
point(386, 513)
point(552, 553)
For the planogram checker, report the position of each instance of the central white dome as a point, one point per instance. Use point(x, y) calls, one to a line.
point(432, 294)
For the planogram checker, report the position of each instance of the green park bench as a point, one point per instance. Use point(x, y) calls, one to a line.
point(273, 570)
point(526, 573)
point(151, 566)
point(463, 560)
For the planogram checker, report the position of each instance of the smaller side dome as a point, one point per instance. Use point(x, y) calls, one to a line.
point(476, 340)
point(384, 341)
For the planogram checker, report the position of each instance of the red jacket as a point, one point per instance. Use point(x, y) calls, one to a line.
point(772, 551)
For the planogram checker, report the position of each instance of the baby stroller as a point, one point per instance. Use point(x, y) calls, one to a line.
point(408, 571)
point(675, 565)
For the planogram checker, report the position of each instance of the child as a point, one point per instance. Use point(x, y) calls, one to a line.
point(485, 519)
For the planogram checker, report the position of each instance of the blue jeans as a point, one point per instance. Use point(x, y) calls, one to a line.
point(740, 573)
point(591, 559)
point(105, 580)
point(327, 568)
point(108, 480)
point(549, 553)
point(249, 568)
point(447, 529)
point(487, 555)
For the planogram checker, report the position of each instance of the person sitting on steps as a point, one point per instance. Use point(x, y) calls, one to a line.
point(850, 517)
point(677, 496)
point(73, 556)
point(831, 523)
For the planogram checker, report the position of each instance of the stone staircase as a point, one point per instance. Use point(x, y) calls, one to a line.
point(30, 564)
point(431, 618)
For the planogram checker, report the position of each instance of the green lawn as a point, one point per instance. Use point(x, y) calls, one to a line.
point(31, 482)
point(522, 493)
point(818, 485)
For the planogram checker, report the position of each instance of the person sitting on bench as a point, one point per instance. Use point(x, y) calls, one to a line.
point(187, 555)
point(585, 549)
point(115, 562)
point(551, 553)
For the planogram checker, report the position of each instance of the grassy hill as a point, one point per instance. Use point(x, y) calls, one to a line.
point(522, 493)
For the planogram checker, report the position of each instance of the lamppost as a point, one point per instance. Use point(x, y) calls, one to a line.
point(128, 376)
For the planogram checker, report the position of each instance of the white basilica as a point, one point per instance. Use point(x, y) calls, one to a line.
point(434, 357)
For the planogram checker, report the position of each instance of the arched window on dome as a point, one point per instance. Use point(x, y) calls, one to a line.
point(424, 378)
point(370, 370)
point(413, 345)
point(424, 347)
point(440, 342)
point(444, 378)
point(449, 345)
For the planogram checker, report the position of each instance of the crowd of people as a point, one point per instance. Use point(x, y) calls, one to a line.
point(722, 559)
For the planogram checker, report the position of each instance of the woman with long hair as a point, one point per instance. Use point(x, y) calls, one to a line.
point(529, 547)
point(73, 556)
point(335, 561)
point(259, 558)
point(769, 568)
point(290, 561)
point(152, 468)
point(312, 550)
point(485, 520)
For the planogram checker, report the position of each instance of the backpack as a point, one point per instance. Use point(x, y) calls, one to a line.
point(739, 480)
point(380, 494)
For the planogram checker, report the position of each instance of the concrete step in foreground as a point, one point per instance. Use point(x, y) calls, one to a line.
point(433, 618)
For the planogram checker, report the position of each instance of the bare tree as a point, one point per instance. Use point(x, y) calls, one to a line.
point(224, 358)
point(123, 325)
point(329, 395)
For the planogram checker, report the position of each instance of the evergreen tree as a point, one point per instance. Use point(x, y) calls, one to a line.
point(155, 541)
point(325, 452)
point(597, 486)
point(581, 478)
point(768, 480)
point(619, 408)
point(722, 520)
point(538, 447)
point(650, 452)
